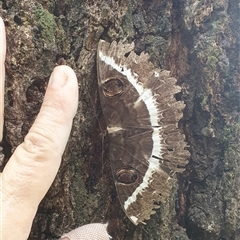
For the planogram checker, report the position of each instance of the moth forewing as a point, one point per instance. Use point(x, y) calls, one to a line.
point(142, 114)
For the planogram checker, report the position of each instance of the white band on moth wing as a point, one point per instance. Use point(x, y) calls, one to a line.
point(147, 97)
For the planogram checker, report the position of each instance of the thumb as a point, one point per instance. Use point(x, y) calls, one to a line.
point(34, 164)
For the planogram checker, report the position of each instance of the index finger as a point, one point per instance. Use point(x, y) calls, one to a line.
point(2, 73)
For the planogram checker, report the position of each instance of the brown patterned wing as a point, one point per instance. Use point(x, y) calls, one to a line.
point(142, 117)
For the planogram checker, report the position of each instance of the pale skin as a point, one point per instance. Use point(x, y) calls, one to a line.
point(34, 164)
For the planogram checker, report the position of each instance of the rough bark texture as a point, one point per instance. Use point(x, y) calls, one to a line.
point(198, 41)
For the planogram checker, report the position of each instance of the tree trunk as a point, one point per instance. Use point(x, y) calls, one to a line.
point(198, 41)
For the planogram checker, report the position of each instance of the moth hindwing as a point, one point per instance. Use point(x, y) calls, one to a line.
point(141, 114)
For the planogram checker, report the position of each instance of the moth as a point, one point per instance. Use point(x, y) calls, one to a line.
point(141, 113)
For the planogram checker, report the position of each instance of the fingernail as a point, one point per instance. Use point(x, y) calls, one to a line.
point(58, 78)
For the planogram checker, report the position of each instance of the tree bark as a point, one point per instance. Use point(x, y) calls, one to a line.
point(198, 41)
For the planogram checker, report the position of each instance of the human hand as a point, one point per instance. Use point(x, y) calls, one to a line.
point(34, 164)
